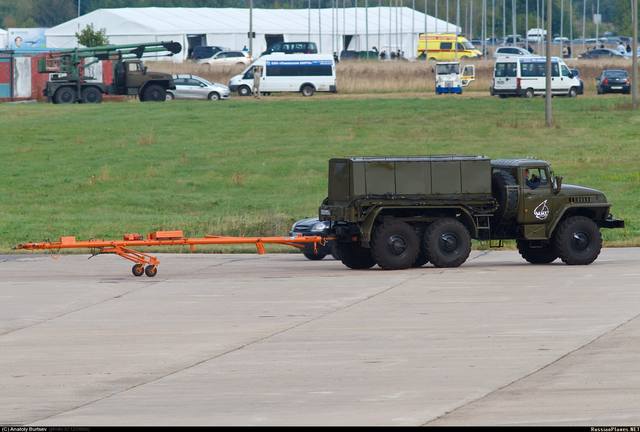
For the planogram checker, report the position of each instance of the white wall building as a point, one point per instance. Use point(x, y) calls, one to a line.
point(388, 27)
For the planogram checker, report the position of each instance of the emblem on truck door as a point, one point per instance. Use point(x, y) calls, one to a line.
point(542, 211)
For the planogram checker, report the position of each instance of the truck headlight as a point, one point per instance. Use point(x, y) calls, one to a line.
point(319, 227)
point(325, 212)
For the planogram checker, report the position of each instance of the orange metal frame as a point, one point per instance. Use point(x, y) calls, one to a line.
point(123, 248)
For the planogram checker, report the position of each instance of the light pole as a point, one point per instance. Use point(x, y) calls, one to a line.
point(251, 29)
point(634, 48)
point(547, 103)
point(79, 7)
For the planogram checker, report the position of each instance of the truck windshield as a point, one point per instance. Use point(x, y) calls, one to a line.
point(468, 45)
point(446, 69)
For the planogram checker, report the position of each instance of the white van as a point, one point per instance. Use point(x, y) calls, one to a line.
point(525, 76)
point(536, 35)
point(305, 73)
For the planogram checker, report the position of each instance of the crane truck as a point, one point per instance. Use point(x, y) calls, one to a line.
point(69, 84)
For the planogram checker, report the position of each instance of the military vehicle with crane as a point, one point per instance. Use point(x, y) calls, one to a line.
point(68, 82)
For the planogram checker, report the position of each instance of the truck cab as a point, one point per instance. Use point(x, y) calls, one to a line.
point(131, 77)
point(449, 78)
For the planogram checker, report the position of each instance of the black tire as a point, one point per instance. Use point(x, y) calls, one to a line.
point(540, 255)
point(578, 241)
point(448, 243)
point(395, 245)
point(599, 90)
point(335, 252)
point(244, 91)
point(529, 94)
point(154, 93)
point(151, 271)
point(65, 95)
point(573, 92)
point(422, 258)
point(312, 254)
point(307, 90)
point(91, 95)
point(213, 96)
point(507, 197)
point(137, 270)
point(170, 96)
point(355, 256)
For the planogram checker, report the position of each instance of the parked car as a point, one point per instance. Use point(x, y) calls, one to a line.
point(558, 40)
point(536, 35)
point(194, 87)
point(205, 52)
point(600, 53)
point(228, 58)
point(511, 52)
point(613, 81)
point(576, 74)
point(358, 55)
point(314, 227)
point(514, 40)
point(293, 48)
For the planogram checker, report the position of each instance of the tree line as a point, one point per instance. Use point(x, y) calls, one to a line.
point(49, 13)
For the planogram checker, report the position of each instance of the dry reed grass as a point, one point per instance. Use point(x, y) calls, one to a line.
point(361, 77)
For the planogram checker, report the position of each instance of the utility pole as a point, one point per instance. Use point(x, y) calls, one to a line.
point(251, 29)
point(319, 26)
point(504, 22)
point(548, 115)
point(584, 24)
point(598, 21)
point(634, 45)
point(79, 7)
point(513, 21)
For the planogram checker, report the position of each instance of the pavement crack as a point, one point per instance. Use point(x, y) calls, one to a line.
point(540, 369)
point(236, 349)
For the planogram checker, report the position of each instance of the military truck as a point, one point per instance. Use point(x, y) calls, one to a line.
point(69, 82)
point(404, 212)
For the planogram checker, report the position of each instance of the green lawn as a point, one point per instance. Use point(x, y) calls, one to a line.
point(252, 167)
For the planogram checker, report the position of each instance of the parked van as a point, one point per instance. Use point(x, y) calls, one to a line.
point(525, 76)
point(445, 47)
point(305, 73)
point(536, 35)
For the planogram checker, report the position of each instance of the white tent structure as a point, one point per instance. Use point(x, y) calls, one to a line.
point(331, 28)
point(3, 39)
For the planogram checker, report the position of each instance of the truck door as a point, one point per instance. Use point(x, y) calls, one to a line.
point(535, 185)
point(135, 74)
point(468, 75)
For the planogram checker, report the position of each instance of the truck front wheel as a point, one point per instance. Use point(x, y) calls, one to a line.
point(395, 245)
point(448, 243)
point(65, 95)
point(154, 93)
point(578, 241)
point(540, 255)
point(355, 256)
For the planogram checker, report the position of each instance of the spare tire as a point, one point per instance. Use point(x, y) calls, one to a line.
point(507, 196)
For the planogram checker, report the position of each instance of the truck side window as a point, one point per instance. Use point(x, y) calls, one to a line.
point(445, 45)
point(248, 74)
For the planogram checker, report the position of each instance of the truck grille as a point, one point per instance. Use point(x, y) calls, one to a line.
point(580, 199)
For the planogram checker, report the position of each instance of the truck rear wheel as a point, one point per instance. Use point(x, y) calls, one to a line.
point(154, 93)
point(448, 243)
point(65, 95)
point(578, 241)
point(355, 256)
point(540, 255)
point(91, 95)
point(395, 245)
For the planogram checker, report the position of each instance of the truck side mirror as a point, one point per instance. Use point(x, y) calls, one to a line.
point(557, 185)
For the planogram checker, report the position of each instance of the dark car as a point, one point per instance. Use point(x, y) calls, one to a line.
point(314, 227)
point(599, 53)
point(613, 81)
point(205, 52)
point(576, 74)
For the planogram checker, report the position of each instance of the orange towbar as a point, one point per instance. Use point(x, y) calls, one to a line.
point(148, 264)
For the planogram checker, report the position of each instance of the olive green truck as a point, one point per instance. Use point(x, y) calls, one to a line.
point(401, 212)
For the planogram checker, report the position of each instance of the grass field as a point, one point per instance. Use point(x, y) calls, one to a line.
point(253, 167)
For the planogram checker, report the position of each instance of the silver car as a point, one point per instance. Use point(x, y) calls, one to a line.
point(195, 87)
